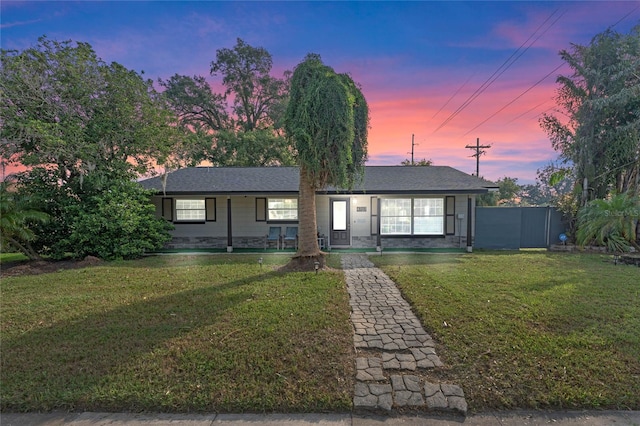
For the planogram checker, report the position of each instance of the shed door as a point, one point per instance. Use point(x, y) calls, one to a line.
point(340, 235)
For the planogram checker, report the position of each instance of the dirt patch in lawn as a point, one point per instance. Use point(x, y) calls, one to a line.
point(36, 267)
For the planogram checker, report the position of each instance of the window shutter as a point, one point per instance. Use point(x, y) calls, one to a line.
point(374, 215)
point(167, 209)
point(261, 209)
point(210, 207)
point(450, 215)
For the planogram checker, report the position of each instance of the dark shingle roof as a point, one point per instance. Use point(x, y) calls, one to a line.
point(274, 180)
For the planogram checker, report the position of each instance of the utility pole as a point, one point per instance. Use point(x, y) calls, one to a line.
point(412, 145)
point(479, 151)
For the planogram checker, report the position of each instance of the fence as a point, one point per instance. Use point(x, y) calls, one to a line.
point(513, 228)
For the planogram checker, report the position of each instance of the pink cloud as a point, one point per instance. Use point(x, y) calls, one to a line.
point(576, 23)
point(519, 146)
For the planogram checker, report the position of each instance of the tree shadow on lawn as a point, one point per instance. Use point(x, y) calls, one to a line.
point(182, 261)
point(60, 365)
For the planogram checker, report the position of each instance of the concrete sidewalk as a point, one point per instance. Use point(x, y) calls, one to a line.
point(504, 418)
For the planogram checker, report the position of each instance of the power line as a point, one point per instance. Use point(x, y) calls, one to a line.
point(540, 81)
point(516, 98)
point(625, 17)
point(549, 109)
point(501, 70)
point(452, 96)
point(527, 112)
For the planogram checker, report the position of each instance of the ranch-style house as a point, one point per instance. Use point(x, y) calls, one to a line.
point(257, 207)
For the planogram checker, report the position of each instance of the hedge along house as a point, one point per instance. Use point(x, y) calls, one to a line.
point(392, 207)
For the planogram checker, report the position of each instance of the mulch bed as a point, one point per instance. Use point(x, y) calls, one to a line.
point(35, 267)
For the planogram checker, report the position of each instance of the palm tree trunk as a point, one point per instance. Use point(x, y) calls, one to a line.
point(307, 234)
point(25, 249)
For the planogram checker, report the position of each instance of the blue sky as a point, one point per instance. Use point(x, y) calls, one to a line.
point(417, 62)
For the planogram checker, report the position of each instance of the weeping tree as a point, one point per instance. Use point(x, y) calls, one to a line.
point(327, 120)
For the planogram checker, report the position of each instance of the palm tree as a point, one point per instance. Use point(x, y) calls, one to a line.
point(327, 120)
point(611, 222)
point(15, 217)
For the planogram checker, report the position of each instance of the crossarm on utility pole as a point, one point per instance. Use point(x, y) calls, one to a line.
point(479, 151)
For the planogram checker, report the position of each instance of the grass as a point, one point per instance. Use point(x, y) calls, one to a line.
point(177, 334)
point(12, 257)
point(219, 333)
point(529, 329)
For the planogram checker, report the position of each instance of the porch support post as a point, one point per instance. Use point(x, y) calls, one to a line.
point(378, 237)
point(469, 223)
point(229, 232)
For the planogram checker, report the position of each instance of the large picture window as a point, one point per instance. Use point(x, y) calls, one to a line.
point(428, 214)
point(412, 216)
point(190, 210)
point(282, 209)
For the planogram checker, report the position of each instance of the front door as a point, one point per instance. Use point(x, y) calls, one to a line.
point(340, 235)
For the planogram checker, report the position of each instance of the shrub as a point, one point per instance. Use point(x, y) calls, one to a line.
point(119, 223)
point(610, 223)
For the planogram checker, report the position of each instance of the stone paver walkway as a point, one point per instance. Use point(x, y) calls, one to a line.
point(393, 349)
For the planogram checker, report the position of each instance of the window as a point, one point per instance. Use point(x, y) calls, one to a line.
point(190, 210)
point(427, 216)
point(396, 216)
point(412, 216)
point(282, 209)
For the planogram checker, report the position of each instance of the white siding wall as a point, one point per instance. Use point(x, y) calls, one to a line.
point(360, 221)
point(322, 214)
point(461, 207)
point(243, 218)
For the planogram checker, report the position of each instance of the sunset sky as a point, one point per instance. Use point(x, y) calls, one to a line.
point(417, 62)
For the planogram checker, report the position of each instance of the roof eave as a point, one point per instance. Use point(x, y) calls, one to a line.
point(332, 192)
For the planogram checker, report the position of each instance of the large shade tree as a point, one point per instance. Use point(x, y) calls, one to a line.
point(243, 125)
point(327, 120)
point(80, 126)
point(66, 110)
point(245, 72)
point(200, 113)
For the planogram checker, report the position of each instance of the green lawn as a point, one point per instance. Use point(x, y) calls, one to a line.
point(12, 257)
point(529, 329)
point(218, 333)
point(177, 333)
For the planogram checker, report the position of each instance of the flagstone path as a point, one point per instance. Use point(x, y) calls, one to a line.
point(393, 351)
